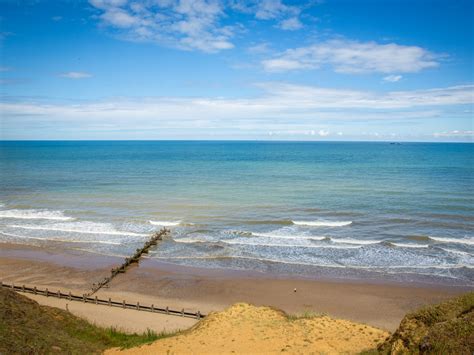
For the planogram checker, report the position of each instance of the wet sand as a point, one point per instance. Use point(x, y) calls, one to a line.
point(376, 304)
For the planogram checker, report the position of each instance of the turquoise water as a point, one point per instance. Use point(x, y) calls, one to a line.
point(344, 210)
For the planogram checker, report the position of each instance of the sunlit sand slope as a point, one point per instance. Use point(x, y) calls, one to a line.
point(243, 328)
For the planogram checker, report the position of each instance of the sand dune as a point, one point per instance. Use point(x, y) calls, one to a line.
point(243, 328)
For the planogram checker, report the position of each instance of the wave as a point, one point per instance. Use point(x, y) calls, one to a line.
point(323, 223)
point(165, 223)
point(420, 238)
point(468, 241)
point(61, 240)
point(284, 222)
point(296, 237)
point(458, 252)
point(403, 245)
point(82, 228)
point(35, 214)
point(291, 245)
point(356, 241)
point(363, 267)
point(197, 241)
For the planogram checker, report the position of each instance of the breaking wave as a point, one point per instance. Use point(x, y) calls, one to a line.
point(165, 223)
point(80, 227)
point(35, 214)
point(323, 223)
point(61, 240)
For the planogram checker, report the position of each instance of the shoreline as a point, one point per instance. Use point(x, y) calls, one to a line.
point(375, 303)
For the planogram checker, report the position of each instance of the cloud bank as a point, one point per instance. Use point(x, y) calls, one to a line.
point(189, 24)
point(280, 107)
point(353, 57)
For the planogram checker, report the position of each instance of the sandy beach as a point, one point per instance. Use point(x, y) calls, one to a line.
point(206, 290)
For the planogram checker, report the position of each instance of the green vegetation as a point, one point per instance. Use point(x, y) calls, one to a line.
point(27, 327)
point(446, 328)
point(305, 315)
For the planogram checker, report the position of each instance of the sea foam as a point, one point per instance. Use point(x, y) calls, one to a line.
point(468, 241)
point(165, 223)
point(323, 223)
point(80, 227)
point(35, 214)
point(60, 240)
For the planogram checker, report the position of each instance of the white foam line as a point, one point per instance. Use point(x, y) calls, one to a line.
point(377, 268)
point(468, 241)
point(78, 231)
point(463, 253)
point(61, 240)
point(402, 245)
point(323, 223)
point(165, 223)
point(33, 214)
point(356, 241)
point(307, 237)
point(245, 258)
point(293, 245)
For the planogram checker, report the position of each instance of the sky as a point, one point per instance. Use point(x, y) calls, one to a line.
point(369, 70)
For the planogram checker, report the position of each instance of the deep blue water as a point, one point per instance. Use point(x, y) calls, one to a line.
point(357, 210)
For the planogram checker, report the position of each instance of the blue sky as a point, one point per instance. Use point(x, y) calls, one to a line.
point(210, 69)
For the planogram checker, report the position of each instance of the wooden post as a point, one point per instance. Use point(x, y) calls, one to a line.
point(138, 306)
point(95, 299)
point(47, 293)
point(1, 284)
point(198, 315)
point(182, 312)
point(84, 298)
point(13, 286)
point(23, 288)
point(70, 296)
point(167, 310)
point(110, 302)
point(152, 308)
point(123, 303)
point(59, 294)
point(35, 291)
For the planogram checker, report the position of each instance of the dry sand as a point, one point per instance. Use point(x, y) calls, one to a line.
point(261, 330)
point(127, 320)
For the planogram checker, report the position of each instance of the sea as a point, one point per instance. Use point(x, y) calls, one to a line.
point(340, 210)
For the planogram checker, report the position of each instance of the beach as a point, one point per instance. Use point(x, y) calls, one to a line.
point(381, 305)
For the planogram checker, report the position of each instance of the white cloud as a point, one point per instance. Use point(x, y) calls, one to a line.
point(185, 24)
point(189, 24)
point(279, 107)
point(56, 18)
point(346, 56)
point(291, 24)
point(4, 69)
point(392, 78)
point(75, 75)
point(286, 15)
point(455, 134)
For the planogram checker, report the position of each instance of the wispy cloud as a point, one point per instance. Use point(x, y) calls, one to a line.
point(291, 24)
point(5, 69)
point(346, 56)
point(286, 15)
point(75, 75)
point(455, 133)
point(279, 106)
point(392, 78)
point(190, 24)
point(185, 24)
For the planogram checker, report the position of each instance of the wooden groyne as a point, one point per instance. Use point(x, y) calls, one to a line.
point(95, 300)
point(135, 258)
